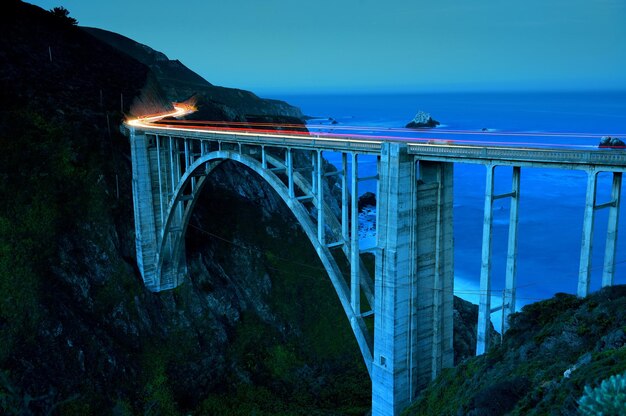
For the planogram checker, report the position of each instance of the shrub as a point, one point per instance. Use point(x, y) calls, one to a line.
point(607, 399)
point(63, 14)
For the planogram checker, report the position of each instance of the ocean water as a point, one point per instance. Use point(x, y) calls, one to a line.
point(552, 201)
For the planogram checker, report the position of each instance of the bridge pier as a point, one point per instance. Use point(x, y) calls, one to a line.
point(355, 259)
point(586, 251)
point(610, 251)
point(145, 224)
point(414, 279)
point(484, 306)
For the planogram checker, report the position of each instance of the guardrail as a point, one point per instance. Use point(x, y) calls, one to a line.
point(311, 141)
point(569, 159)
point(613, 160)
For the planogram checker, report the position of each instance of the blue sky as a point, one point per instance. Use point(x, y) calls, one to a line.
point(283, 46)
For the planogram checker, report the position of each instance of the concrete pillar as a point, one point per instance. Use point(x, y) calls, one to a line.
point(263, 158)
point(355, 259)
point(289, 163)
point(393, 371)
point(173, 171)
point(145, 226)
point(345, 226)
point(320, 198)
point(158, 150)
point(511, 256)
point(484, 306)
point(187, 155)
point(172, 269)
point(611, 232)
point(447, 266)
point(377, 191)
point(584, 273)
point(434, 271)
point(190, 161)
point(314, 171)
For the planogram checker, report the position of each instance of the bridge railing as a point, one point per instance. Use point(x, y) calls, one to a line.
point(305, 142)
point(612, 160)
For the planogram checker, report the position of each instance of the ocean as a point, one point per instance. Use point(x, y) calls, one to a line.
point(551, 202)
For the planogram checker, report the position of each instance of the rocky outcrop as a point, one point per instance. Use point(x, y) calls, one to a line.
point(422, 120)
point(368, 199)
point(612, 142)
point(465, 326)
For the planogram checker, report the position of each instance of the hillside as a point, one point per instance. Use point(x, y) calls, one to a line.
point(213, 102)
point(552, 350)
point(79, 334)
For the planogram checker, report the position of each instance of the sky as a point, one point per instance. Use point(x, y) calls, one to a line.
point(294, 46)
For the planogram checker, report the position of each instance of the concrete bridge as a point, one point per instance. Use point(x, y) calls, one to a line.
point(410, 296)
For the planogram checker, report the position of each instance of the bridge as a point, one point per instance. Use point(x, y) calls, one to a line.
point(410, 296)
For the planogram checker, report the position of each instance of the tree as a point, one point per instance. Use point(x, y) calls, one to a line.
point(63, 14)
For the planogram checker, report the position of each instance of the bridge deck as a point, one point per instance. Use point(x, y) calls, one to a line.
point(606, 160)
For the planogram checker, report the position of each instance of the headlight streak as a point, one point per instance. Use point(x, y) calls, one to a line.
point(344, 133)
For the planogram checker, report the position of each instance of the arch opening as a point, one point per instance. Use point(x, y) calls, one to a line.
point(171, 259)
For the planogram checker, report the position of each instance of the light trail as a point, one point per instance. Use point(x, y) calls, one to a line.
point(357, 134)
point(180, 110)
point(330, 128)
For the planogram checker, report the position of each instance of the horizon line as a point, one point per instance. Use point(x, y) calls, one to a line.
point(412, 91)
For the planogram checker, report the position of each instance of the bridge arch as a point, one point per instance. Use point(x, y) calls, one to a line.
point(412, 330)
point(171, 250)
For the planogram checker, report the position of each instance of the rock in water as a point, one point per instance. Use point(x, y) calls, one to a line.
point(368, 199)
point(422, 119)
point(608, 141)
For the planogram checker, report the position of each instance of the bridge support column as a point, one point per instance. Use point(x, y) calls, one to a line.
point(407, 266)
point(355, 254)
point(484, 307)
point(434, 232)
point(289, 164)
point(393, 369)
point(345, 194)
point(172, 268)
point(511, 255)
point(143, 202)
point(320, 199)
point(586, 252)
point(611, 232)
point(584, 273)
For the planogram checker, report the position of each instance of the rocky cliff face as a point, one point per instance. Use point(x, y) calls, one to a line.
point(465, 327)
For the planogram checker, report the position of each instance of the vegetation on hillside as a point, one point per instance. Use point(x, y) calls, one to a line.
point(553, 349)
